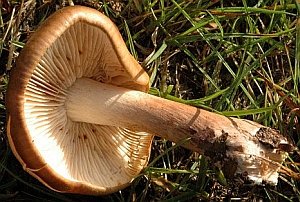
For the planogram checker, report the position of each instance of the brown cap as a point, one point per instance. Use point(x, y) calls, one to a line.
point(71, 156)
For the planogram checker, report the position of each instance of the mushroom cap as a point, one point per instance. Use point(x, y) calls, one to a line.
point(64, 155)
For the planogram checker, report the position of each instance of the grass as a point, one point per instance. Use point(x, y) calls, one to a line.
point(238, 58)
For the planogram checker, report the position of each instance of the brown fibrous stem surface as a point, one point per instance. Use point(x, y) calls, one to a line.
point(240, 146)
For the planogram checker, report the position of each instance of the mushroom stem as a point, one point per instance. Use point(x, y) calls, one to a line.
point(245, 145)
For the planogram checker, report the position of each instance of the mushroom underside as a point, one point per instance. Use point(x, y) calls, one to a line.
point(99, 155)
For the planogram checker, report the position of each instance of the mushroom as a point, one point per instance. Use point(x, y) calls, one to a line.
point(80, 119)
